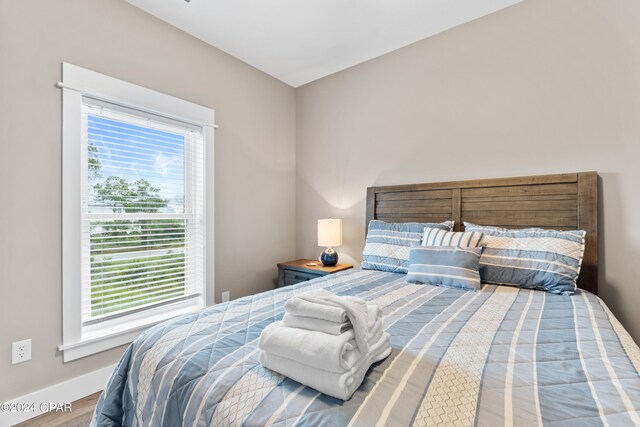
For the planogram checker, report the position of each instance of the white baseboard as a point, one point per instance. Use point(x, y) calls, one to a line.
point(64, 392)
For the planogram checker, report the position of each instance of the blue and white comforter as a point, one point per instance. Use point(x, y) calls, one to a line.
point(499, 356)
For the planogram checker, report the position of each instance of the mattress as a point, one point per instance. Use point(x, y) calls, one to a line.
point(499, 356)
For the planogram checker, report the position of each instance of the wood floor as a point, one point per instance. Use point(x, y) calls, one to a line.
point(80, 415)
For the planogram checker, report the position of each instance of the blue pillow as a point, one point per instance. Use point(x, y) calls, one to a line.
point(450, 266)
point(387, 245)
point(462, 239)
point(531, 258)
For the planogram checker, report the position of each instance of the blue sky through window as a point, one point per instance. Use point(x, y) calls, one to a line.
point(133, 152)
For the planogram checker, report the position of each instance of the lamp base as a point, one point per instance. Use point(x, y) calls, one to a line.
point(329, 257)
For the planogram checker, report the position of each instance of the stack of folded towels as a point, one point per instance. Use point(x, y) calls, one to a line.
point(325, 342)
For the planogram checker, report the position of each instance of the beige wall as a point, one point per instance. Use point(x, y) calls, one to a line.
point(254, 160)
point(544, 86)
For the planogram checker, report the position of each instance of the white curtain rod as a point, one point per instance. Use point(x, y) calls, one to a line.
point(61, 85)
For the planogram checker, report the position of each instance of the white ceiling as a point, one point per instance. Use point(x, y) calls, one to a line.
point(298, 41)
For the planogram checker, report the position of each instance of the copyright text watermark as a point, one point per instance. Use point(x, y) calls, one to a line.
point(35, 407)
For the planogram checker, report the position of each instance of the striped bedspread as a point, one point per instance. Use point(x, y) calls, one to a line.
point(499, 356)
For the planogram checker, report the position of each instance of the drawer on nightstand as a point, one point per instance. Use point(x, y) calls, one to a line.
point(293, 277)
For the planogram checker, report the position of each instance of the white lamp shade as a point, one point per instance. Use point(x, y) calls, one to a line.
point(329, 232)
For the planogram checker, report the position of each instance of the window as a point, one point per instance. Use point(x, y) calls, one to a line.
point(142, 217)
point(134, 233)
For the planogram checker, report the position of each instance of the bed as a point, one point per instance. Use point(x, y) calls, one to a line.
point(499, 356)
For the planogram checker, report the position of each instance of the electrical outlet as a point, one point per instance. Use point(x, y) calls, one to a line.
point(20, 351)
point(225, 296)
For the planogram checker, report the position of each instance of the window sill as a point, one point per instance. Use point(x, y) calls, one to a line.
point(109, 338)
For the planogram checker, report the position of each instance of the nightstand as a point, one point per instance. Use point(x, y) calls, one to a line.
point(292, 272)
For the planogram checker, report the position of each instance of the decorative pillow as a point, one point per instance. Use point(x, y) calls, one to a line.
point(531, 258)
point(387, 245)
point(450, 266)
point(437, 237)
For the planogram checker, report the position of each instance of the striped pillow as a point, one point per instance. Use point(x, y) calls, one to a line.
point(437, 237)
point(450, 266)
point(531, 258)
point(387, 245)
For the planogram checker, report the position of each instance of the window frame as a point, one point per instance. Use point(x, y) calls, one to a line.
point(79, 83)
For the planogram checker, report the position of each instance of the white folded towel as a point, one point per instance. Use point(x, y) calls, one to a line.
point(333, 353)
point(338, 385)
point(325, 305)
point(315, 324)
point(309, 305)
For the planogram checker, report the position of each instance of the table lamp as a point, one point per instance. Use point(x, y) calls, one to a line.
point(330, 236)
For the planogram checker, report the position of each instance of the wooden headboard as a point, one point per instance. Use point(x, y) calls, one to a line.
point(562, 202)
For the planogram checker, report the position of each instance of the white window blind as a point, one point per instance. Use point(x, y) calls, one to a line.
point(142, 213)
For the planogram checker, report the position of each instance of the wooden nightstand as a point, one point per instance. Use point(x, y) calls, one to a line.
point(292, 272)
